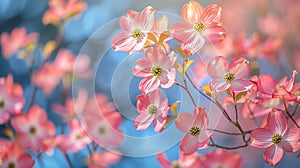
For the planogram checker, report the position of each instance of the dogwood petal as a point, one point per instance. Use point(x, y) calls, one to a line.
point(217, 68)
point(277, 122)
point(240, 67)
point(191, 12)
point(211, 14)
point(290, 140)
point(143, 121)
point(219, 85)
point(184, 121)
point(261, 138)
point(266, 83)
point(241, 85)
point(189, 144)
point(149, 84)
point(273, 155)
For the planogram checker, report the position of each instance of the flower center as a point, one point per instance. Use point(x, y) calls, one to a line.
point(152, 109)
point(101, 130)
point(297, 93)
point(136, 33)
point(276, 138)
point(199, 27)
point(11, 165)
point(156, 70)
point(2, 103)
point(175, 165)
point(194, 131)
point(32, 130)
point(229, 77)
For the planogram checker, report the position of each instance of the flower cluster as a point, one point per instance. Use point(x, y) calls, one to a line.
point(235, 84)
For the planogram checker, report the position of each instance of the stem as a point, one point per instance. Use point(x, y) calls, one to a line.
point(213, 144)
point(287, 112)
point(252, 114)
point(31, 101)
point(295, 110)
point(68, 160)
point(188, 92)
point(89, 149)
point(235, 108)
point(229, 133)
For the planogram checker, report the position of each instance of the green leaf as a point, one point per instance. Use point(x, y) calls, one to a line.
point(174, 108)
point(179, 69)
point(163, 36)
point(240, 95)
point(188, 64)
point(178, 48)
point(169, 119)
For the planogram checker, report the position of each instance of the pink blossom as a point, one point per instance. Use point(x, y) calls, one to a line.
point(135, 28)
point(271, 89)
point(47, 77)
point(15, 156)
point(69, 111)
point(230, 76)
point(16, 40)
point(199, 25)
point(197, 136)
point(76, 140)
point(156, 69)
point(62, 10)
point(102, 121)
point(152, 109)
point(102, 159)
point(189, 161)
point(11, 98)
point(276, 137)
point(221, 158)
point(33, 128)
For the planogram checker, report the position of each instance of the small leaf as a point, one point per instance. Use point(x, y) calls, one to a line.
point(188, 64)
point(174, 109)
point(169, 119)
point(207, 90)
point(8, 132)
point(179, 68)
point(240, 95)
point(228, 93)
point(152, 37)
point(163, 36)
point(179, 49)
point(49, 48)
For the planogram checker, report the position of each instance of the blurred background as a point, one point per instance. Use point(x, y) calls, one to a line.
point(275, 24)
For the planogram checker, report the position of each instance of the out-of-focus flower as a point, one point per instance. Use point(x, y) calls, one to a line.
point(11, 98)
point(156, 69)
point(271, 89)
point(197, 136)
point(103, 159)
point(14, 156)
point(199, 25)
point(190, 161)
point(136, 27)
point(47, 77)
point(75, 141)
point(33, 129)
point(276, 137)
point(16, 40)
point(69, 110)
point(221, 158)
point(102, 121)
point(230, 76)
point(152, 109)
point(62, 10)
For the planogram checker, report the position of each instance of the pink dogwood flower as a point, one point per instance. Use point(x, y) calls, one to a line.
point(16, 40)
point(221, 158)
point(190, 161)
point(33, 128)
point(11, 98)
point(276, 137)
point(230, 76)
point(199, 25)
point(62, 10)
point(14, 156)
point(101, 121)
point(152, 109)
point(135, 28)
point(103, 159)
point(76, 140)
point(197, 136)
point(156, 69)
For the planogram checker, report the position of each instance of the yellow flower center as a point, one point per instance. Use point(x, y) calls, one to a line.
point(32, 130)
point(136, 33)
point(194, 131)
point(175, 165)
point(152, 109)
point(199, 27)
point(156, 70)
point(229, 77)
point(11, 165)
point(276, 138)
point(101, 130)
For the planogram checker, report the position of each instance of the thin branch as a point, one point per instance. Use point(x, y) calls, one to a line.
point(295, 110)
point(228, 148)
point(229, 133)
point(287, 112)
point(235, 108)
point(68, 160)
